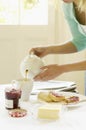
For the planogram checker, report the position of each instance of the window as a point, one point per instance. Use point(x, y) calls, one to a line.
point(21, 12)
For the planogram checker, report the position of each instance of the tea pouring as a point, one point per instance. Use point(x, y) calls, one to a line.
point(32, 63)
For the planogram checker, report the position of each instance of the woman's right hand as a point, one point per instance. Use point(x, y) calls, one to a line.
point(39, 51)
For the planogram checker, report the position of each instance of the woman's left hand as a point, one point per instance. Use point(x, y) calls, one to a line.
point(49, 72)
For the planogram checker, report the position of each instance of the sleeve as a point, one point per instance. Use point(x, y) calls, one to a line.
point(78, 35)
point(79, 43)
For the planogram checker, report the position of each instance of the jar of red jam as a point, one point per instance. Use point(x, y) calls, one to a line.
point(12, 97)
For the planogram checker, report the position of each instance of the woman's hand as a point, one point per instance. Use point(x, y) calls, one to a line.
point(49, 72)
point(39, 51)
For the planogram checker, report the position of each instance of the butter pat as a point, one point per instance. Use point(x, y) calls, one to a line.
point(49, 111)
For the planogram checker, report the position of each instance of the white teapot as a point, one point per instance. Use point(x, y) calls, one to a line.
point(32, 63)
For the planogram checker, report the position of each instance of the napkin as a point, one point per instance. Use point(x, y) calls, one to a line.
point(53, 85)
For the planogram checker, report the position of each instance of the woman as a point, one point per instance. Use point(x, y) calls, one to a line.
point(75, 13)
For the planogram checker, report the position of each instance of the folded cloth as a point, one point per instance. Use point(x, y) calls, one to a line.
point(70, 89)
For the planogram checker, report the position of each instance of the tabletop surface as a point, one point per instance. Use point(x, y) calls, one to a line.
point(73, 118)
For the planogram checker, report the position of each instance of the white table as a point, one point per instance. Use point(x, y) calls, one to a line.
point(73, 119)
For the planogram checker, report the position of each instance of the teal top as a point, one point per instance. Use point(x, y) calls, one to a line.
point(78, 34)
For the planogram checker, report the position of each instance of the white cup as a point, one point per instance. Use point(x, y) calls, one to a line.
point(26, 86)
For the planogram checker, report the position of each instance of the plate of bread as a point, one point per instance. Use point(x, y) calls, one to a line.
point(66, 98)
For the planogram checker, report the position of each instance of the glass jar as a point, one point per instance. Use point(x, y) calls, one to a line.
point(12, 97)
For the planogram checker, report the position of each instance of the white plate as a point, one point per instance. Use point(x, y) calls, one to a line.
point(52, 85)
point(82, 98)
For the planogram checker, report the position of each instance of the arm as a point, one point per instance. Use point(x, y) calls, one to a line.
point(78, 66)
point(65, 48)
point(54, 49)
point(52, 71)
